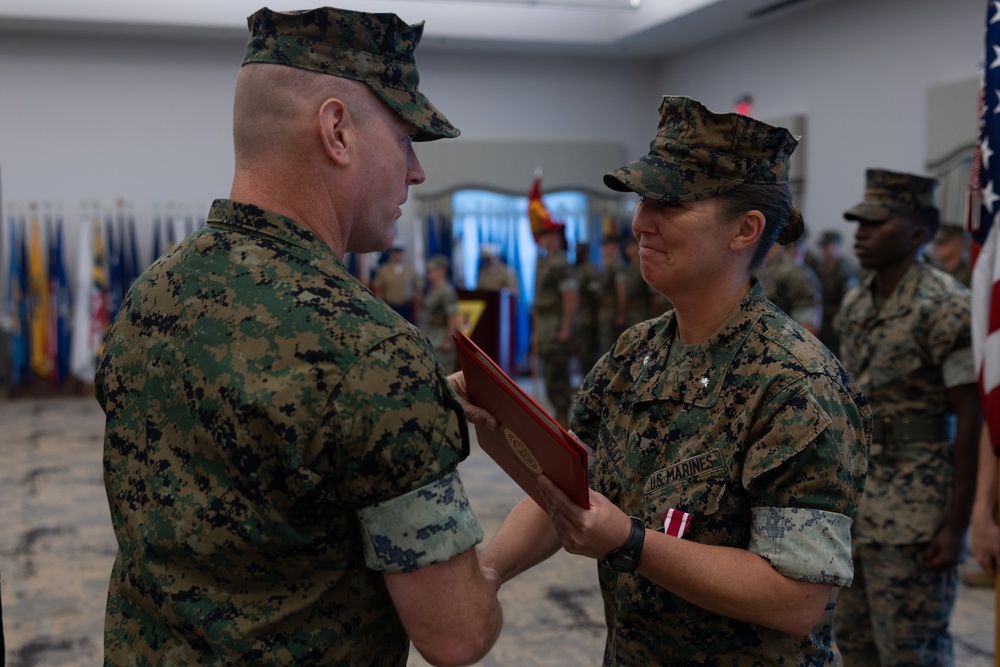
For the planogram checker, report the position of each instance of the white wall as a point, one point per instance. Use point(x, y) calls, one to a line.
point(83, 118)
point(859, 70)
point(149, 120)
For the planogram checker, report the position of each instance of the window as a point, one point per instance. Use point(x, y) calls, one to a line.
point(480, 216)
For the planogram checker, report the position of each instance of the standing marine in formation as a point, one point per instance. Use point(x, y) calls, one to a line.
point(905, 337)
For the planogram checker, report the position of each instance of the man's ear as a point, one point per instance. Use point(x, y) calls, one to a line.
point(748, 231)
point(335, 130)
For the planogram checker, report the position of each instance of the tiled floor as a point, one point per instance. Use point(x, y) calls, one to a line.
point(56, 550)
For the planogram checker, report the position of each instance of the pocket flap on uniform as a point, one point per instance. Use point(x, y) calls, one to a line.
point(695, 485)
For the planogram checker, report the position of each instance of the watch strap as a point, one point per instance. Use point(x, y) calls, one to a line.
point(626, 557)
point(636, 537)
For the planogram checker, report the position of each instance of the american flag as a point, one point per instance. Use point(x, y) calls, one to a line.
point(983, 214)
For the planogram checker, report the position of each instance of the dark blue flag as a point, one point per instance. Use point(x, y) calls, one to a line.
point(16, 297)
point(115, 293)
point(157, 231)
point(61, 304)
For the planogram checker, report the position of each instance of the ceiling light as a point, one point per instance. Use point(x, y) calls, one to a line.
point(579, 4)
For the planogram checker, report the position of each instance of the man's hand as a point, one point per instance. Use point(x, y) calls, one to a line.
point(946, 549)
point(986, 542)
point(473, 413)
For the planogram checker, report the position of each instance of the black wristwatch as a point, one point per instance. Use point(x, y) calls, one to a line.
point(626, 557)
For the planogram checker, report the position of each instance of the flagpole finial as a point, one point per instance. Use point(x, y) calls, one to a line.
point(538, 172)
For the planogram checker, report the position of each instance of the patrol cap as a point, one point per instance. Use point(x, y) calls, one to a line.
point(830, 237)
point(949, 230)
point(437, 262)
point(698, 154)
point(376, 49)
point(890, 194)
point(489, 250)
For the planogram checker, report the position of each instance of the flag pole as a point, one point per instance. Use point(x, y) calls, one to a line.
point(535, 370)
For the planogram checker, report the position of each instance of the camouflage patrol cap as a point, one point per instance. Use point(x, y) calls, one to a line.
point(949, 230)
point(890, 194)
point(698, 154)
point(437, 262)
point(376, 49)
point(830, 237)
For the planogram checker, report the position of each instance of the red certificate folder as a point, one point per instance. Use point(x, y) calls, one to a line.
point(528, 441)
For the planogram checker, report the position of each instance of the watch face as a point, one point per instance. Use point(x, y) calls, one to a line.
point(622, 562)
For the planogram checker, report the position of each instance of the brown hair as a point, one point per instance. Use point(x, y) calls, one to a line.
point(783, 223)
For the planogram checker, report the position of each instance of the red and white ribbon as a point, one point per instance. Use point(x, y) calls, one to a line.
point(676, 522)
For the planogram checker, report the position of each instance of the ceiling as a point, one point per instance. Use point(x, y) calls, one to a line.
point(607, 28)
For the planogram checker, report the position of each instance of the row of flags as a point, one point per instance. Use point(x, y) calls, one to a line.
point(57, 324)
point(38, 302)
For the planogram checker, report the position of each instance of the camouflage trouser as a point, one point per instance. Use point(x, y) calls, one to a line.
point(554, 356)
point(897, 610)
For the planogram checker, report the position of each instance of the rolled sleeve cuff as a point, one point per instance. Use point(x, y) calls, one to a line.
point(959, 368)
point(804, 544)
point(428, 525)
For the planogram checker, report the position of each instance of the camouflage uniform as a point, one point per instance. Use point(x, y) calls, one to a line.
point(761, 436)
point(277, 438)
point(792, 288)
point(962, 273)
point(553, 277)
point(955, 236)
point(637, 294)
point(904, 356)
point(834, 281)
point(588, 346)
point(495, 277)
point(607, 307)
point(440, 303)
point(396, 283)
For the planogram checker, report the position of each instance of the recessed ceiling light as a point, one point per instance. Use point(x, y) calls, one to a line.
point(579, 4)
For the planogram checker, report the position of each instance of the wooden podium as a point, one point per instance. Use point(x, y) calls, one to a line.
point(490, 319)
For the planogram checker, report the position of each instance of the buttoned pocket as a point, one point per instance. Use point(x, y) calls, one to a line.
point(697, 485)
point(700, 486)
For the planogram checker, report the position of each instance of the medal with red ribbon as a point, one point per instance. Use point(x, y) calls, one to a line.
point(676, 522)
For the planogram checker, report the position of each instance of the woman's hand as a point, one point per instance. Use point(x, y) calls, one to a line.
point(593, 532)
